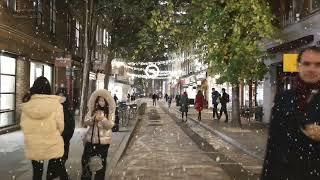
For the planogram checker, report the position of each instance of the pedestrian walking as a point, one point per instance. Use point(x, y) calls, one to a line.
point(42, 123)
point(169, 101)
point(100, 120)
point(294, 133)
point(178, 100)
point(184, 105)
point(69, 126)
point(199, 103)
point(166, 97)
point(154, 99)
point(224, 100)
point(115, 98)
point(215, 95)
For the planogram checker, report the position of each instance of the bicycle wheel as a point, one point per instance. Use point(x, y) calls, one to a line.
point(125, 118)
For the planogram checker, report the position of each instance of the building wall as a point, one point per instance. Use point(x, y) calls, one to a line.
point(22, 82)
point(22, 38)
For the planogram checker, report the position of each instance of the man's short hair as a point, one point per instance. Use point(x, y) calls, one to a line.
point(223, 89)
point(311, 48)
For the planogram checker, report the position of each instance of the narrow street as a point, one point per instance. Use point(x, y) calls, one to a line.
point(163, 149)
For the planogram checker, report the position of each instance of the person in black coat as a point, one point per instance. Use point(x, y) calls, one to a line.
point(69, 127)
point(293, 149)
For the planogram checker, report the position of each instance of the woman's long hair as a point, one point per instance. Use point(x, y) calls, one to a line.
point(40, 86)
point(199, 93)
point(97, 107)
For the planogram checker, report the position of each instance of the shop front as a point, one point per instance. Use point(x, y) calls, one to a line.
point(7, 91)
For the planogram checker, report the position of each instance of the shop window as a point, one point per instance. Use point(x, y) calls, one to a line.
point(39, 69)
point(7, 90)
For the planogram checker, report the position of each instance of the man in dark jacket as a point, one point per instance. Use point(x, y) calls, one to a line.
point(224, 100)
point(69, 126)
point(215, 98)
point(293, 149)
point(154, 98)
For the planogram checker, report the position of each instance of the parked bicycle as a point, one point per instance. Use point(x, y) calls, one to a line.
point(133, 109)
point(123, 114)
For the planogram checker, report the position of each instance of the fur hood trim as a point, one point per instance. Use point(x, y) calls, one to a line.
point(106, 95)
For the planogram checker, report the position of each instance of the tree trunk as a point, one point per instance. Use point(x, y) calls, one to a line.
point(108, 69)
point(250, 94)
point(236, 105)
point(85, 73)
point(242, 103)
point(255, 93)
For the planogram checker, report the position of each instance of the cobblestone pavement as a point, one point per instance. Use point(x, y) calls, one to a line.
point(160, 150)
point(250, 140)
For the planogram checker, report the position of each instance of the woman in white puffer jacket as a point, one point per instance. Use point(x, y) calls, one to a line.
point(100, 120)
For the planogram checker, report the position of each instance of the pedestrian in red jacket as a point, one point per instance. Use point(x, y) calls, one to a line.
point(199, 103)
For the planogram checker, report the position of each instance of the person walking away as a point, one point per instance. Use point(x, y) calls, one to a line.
point(178, 100)
point(199, 103)
point(69, 126)
point(169, 101)
point(215, 102)
point(42, 123)
point(224, 100)
point(100, 120)
point(294, 133)
point(166, 97)
point(154, 98)
point(184, 105)
point(115, 98)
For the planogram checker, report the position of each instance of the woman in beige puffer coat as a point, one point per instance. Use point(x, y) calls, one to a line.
point(42, 123)
point(100, 120)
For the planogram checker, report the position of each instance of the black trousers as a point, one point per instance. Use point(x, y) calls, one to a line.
point(215, 110)
point(185, 112)
point(52, 170)
point(154, 102)
point(199, 116)
point(56, 164)
point(94, 150)
point(225, 111)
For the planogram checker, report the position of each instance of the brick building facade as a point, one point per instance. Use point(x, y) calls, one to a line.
point(33, 33)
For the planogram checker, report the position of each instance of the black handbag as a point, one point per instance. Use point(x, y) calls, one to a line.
point(95, 162)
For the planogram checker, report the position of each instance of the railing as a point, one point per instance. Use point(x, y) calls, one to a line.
point(293, 17)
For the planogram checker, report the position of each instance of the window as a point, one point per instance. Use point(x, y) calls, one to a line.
point(39, 69)
point(106, 37)
point(38, 9)
point(68, 28)
point(11, 4)
point(77, 34)
point(53, 13)
point(7, 90)
point(315, 5)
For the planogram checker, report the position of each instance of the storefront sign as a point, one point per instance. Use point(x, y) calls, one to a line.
point(290, 62)
point(63, 62)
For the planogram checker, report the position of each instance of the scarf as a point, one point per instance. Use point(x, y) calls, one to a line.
point(304, 92)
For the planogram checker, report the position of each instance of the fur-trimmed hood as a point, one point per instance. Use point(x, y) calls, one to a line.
point(106, 95)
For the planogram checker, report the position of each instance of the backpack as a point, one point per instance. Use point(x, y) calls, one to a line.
point(227, 98)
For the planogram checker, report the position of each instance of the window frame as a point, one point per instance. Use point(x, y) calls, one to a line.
point(53, 16)
point(13, 111)
point(77, 34)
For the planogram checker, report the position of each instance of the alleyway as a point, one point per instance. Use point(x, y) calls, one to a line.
point(161, 150)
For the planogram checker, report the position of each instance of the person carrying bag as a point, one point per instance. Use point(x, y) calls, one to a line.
point(98, 138)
